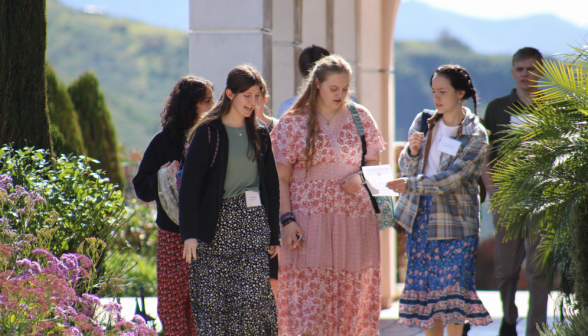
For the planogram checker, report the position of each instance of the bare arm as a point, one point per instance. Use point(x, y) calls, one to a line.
point(289, 231)
point(486, 177)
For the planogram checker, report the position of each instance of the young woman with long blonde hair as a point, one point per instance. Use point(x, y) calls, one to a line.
point(329, 275)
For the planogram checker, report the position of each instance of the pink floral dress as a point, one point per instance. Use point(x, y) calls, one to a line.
point(332, 285)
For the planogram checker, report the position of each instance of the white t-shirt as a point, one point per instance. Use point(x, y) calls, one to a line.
point(434, 153)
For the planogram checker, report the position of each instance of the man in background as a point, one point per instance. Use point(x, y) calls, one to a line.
point(308, 57)
point(509, 256)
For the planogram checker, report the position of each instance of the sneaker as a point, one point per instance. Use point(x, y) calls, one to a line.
point(508, 329)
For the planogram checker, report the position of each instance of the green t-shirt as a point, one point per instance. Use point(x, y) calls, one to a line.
point(242, 173)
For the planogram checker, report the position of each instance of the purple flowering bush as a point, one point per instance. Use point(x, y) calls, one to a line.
point(37, 297)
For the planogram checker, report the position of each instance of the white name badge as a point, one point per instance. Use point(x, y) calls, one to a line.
point(253, 199)
point(448, 145)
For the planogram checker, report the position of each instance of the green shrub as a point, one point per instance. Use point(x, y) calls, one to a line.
point(577, 325)
point(63, 117)
point(97, 128)
point(84, 210)
point(23, 102)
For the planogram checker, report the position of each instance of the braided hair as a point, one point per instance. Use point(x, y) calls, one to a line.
point(460, 80)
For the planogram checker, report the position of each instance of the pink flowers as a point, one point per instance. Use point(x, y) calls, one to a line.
point(38, 297)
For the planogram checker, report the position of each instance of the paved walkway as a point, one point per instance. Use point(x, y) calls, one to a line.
point(389, 317)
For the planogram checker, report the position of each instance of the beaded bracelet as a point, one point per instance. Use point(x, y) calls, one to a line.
point(285, 216)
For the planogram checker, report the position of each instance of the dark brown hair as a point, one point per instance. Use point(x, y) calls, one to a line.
point(527, 52)
point(179, 113)
point(460, 80)
point(306, 102)
point(240, 79)
point(308, 57)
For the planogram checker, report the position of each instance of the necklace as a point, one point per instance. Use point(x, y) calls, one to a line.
point(236, 129)
point(331, 118)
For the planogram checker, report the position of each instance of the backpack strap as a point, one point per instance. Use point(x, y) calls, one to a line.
point(359, 125)
point(425, 116)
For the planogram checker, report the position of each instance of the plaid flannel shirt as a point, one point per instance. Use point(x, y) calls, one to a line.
point(455, 208)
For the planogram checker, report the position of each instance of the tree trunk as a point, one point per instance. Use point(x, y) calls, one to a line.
point(24, 119)
point(579, 234)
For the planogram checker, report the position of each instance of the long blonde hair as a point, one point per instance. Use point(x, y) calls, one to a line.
point(307, 101)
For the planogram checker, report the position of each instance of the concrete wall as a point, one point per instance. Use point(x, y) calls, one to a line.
point(226, 33)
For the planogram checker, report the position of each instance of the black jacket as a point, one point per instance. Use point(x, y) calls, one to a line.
point(161, 150)
point(202, 188)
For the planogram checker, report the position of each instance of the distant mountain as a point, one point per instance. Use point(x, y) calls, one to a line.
point(415, 21)
point(169, 13)
point(549, 34)
point(137, 64)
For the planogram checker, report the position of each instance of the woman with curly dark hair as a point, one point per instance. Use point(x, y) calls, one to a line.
point(189, 99)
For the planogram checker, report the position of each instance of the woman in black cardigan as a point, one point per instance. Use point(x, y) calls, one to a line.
point(229, 204)
point(189, 99)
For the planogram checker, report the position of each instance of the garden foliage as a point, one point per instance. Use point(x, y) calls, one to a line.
point(24, 120)
point(97, 128)
point(83, 210)
point(63, 116)
point(576, 325)
point(541, 173)
point(37, 297)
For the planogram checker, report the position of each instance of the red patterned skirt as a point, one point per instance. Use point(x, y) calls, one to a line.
point(173, 294)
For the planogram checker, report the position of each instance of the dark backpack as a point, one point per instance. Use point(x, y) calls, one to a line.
point(426, 115)
point(213, 148)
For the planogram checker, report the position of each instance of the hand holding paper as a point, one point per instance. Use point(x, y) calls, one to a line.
point(377, 177)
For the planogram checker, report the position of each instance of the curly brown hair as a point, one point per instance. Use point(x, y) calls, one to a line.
point(179, 114)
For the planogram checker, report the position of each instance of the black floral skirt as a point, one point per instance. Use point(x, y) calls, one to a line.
point(229, 281)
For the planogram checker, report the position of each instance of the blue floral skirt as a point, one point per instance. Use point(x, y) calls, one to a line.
point(440, 280)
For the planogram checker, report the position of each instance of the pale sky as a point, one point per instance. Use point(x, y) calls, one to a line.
point(573, 11)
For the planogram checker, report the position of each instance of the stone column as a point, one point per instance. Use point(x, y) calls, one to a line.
point(226, 33)
point(375, 83)
point(287, 36)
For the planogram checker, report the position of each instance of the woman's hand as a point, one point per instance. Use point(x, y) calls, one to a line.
point(190, 246)
point(290, 239)
point(273, 251)
point(398, 185)
point(351, 183)
point(415, 141)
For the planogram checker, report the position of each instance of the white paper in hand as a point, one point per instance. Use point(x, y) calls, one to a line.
point(377, 177)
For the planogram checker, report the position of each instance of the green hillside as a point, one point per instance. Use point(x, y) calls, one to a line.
point(136, 64)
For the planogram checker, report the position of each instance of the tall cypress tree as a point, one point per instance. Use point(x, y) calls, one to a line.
point(24, 119)
point(97, 128)
point(63, 116)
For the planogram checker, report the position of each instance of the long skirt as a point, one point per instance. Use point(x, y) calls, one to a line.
point(173, 294)
point(440, 281)
point(229, 280)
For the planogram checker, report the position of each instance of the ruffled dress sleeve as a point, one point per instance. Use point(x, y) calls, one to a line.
point(285, 140)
